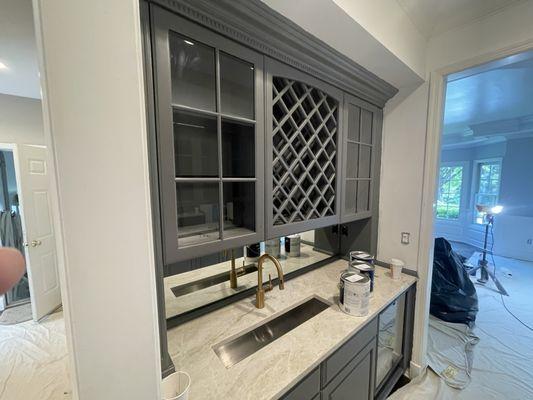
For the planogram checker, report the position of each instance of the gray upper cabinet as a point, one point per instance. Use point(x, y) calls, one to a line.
point(210, 139)
point(361, 141)
point(302, 160)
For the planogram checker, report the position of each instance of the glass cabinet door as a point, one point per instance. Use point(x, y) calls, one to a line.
point(360, 129)
point(210, 139)
point(390, 339)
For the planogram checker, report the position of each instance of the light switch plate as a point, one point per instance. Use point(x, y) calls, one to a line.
point(405, 237)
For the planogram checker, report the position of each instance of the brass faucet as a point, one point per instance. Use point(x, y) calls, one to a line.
point(260, 294)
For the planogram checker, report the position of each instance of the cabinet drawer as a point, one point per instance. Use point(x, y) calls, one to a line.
point(307, 389)
point(334, 364)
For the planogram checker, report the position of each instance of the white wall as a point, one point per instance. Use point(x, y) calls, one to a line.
point(352, 39)
point(402, 167)
point(21, 120)
point(389, 24)
point(94, 94)
point(508, 28)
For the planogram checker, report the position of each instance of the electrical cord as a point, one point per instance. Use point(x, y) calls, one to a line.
point(501, 296)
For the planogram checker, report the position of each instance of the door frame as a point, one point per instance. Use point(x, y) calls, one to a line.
point(437, 92)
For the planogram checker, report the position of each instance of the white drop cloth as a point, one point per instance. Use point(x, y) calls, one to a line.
point(33, 360)
point(503, 358)
point(450, 351)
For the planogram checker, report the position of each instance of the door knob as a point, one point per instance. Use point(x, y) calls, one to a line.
point(35, 243)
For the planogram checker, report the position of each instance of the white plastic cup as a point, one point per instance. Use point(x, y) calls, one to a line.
point(396, 266)
point(176, 386)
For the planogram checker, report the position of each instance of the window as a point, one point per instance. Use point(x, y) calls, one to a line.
point(487, 189)
point(449, 194)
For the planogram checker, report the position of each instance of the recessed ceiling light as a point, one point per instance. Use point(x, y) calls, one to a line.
point(2, 65)
point(189, 42)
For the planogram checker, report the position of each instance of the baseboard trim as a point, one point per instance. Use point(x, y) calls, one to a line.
point(415, 370)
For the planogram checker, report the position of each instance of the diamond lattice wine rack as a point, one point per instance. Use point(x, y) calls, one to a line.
point(304, 143)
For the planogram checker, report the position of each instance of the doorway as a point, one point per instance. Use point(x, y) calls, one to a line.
point(11, 233)
point(26, 225)
point(484, 212)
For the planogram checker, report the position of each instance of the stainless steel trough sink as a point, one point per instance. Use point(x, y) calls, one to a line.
point(231, 351)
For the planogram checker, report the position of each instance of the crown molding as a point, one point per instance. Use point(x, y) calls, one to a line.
point(254, 24)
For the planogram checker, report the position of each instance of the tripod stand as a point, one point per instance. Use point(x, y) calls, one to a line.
point(482, 264)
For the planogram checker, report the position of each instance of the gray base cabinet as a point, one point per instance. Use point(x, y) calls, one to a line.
point(350, 373)
point(355, 380)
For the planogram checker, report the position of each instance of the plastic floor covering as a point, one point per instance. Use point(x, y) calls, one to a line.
point(33, 360)
point(503, 358)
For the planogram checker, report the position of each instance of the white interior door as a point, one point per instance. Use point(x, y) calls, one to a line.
point(36, 213)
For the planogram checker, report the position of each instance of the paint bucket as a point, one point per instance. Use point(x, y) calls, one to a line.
point(176, 386)
point(361, 256)
point(365, 269)
point(292, 245)
point(273, 247)
point(354, 294)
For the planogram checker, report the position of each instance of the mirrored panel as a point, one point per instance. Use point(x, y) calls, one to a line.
point(192, 67)
point(198, 212)
point(198, 282)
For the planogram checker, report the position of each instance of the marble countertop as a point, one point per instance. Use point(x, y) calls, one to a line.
point(274, 369)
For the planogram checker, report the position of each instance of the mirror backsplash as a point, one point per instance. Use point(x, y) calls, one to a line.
point(198, 282)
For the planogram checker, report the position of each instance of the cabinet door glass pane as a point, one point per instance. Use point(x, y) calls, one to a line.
point(192, 67)
point(365, 159)
point(354, 115)
point(236, 86)
point(239, 208)
point(366, 127)
point(195, 144)
point(390, 338)
point(350, 196)
point(198, 212)
point(238, 149)
point(363, 195)
point(352, 160)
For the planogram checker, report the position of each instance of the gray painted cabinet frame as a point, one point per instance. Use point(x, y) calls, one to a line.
point(375, 153)
point(163, 22)
point(273, 69)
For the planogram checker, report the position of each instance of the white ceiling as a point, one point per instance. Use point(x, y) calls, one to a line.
point(490, 102)
point(18, 50)
point(432, 17)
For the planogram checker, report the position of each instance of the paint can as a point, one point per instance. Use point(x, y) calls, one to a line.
point(365, 269)
point(361, 256)
point(273, 247)
point(363, 263)
point(292, 245)
point(354, 294)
